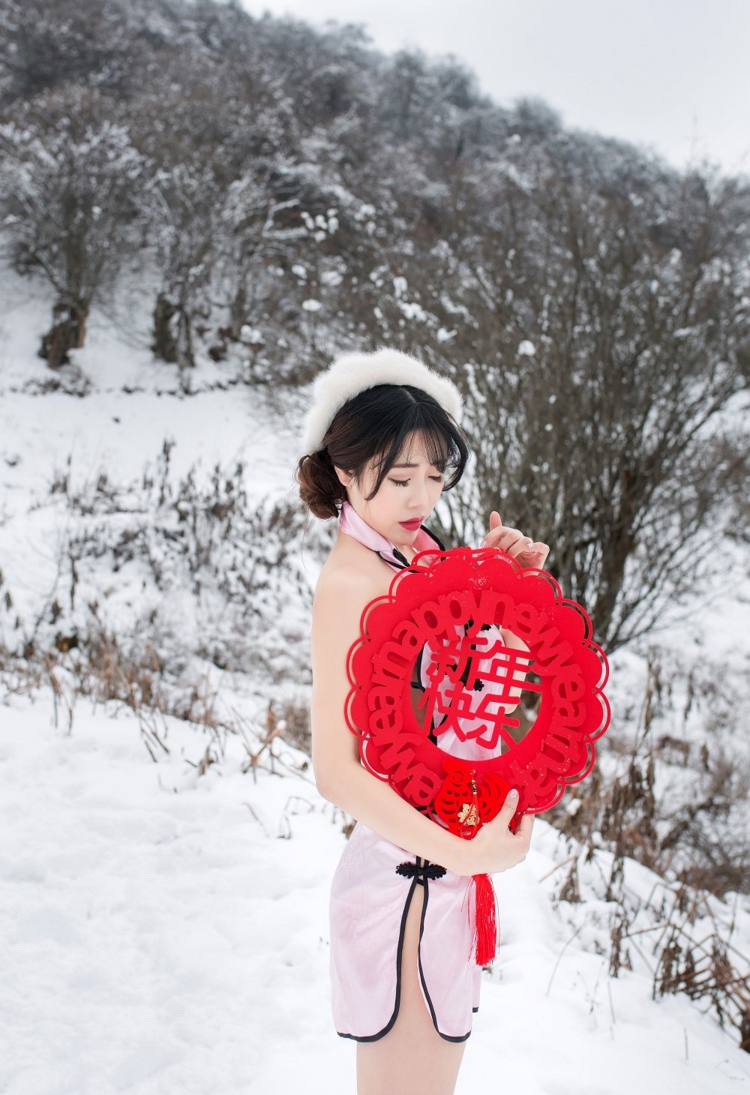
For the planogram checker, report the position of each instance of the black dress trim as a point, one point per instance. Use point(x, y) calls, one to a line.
point(447, 1037)
point(421, 878)
point(382, 1033)
point(401, 562)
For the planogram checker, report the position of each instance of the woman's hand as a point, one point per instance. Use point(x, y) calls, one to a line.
point(529, 553)
point(495, 847)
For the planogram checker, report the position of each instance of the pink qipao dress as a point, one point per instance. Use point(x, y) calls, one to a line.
point(371, 893)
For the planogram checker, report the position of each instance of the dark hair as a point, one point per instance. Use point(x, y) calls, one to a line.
point(375, 424)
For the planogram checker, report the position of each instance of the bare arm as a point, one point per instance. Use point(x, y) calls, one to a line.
point(342, 779)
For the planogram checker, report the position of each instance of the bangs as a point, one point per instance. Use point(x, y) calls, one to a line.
point(443, 441)
point(379, 425)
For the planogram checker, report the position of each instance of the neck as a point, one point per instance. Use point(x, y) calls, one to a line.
point(355, 526)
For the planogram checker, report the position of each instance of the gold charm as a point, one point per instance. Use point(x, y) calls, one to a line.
point(468, 815)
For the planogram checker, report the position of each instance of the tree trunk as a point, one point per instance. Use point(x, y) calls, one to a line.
point(68, 332)
point(238, 312)
point(185, 358)
point(173, 333)
point(165, 341)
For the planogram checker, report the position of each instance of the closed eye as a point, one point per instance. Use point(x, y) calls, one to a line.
point(405, 482)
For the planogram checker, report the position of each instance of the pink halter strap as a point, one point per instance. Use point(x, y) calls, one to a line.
point(353, 525)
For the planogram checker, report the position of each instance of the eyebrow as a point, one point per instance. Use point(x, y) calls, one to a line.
point(412, 465)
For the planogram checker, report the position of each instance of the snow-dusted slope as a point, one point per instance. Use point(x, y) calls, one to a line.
point(166, 932)
point(133, 405)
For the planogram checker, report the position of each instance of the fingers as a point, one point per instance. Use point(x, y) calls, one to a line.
point(511, 540)
point(502, 537)
point(531, 553)
point(538, 548)
point(522, 836)
point(506, 814)
point(509, 807)
point(495, 847)
point(534, 555)
point(524, 830)
point(520, 546)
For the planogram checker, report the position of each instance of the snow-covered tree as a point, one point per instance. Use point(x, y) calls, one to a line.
point(600, 303)
point(69, 180)
point(305, 194)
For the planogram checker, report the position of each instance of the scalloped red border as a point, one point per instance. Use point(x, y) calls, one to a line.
point(574, 712)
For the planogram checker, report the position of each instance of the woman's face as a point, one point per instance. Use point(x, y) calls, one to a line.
point(407, 495)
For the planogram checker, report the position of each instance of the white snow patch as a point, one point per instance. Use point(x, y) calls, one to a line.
point(161, 936)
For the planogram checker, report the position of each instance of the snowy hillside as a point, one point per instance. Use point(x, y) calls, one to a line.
point(165, 924)
point(167, 932)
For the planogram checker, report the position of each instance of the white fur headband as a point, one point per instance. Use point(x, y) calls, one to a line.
point(353, 373)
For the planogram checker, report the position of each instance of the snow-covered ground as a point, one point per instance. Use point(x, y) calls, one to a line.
point(165, 931)
point(134, 405)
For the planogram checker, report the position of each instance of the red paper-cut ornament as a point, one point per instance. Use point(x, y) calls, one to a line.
point(454, 609)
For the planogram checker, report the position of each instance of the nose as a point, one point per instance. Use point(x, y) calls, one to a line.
point(419, 499)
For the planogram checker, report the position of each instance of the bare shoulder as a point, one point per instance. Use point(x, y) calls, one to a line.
point(348, 582)
point(347, 589)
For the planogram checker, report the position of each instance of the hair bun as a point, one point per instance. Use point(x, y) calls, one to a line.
point(319, 487)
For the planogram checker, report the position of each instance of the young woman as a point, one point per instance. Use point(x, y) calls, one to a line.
point(383, 442)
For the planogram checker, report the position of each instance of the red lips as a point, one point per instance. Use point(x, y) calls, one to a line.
point(412, 526)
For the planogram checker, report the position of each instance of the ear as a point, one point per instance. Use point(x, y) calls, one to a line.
point(343, 476)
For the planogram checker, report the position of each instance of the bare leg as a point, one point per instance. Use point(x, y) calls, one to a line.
point(412, 1058)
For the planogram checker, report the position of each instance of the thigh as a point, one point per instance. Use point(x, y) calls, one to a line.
point(412, 1058)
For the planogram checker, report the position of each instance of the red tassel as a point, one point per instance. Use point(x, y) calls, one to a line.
point(485, 920)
